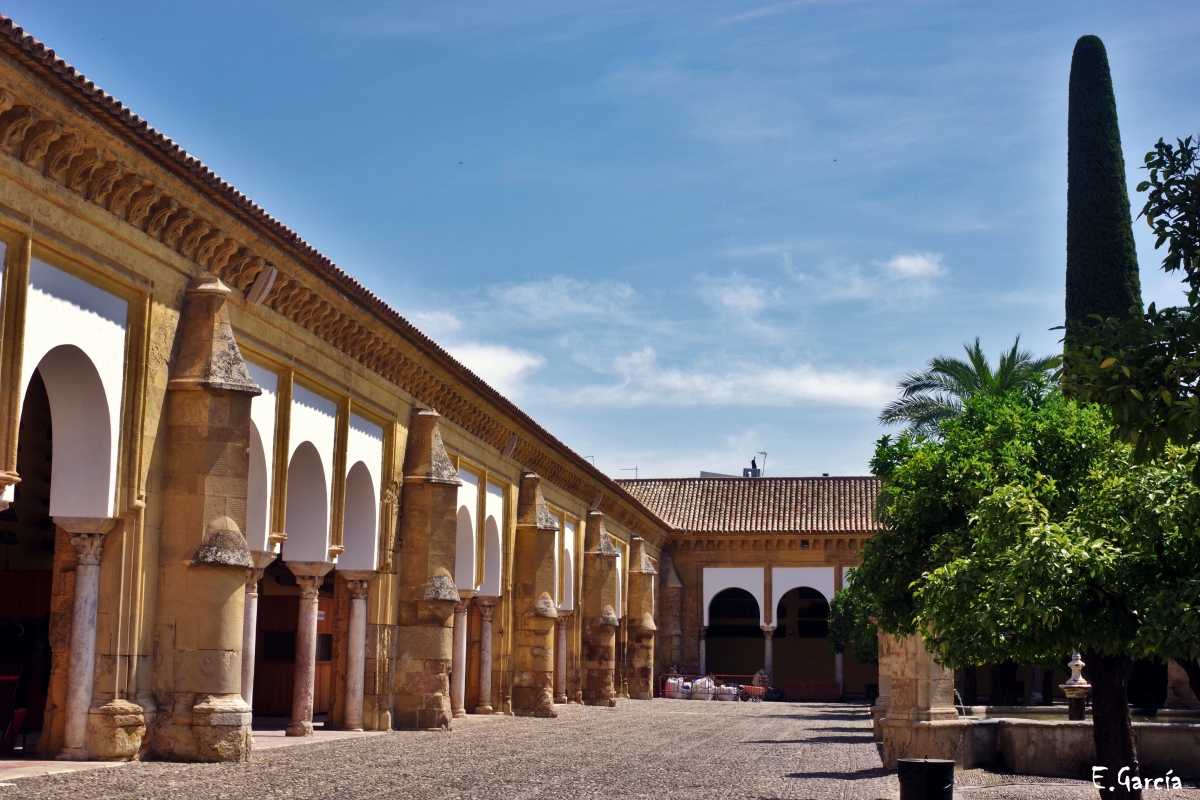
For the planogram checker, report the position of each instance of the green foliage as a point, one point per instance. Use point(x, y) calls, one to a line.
point(935, 394)
point(1145, 370)
point(1102, 270)
point(1026, 532)
point(851, 623)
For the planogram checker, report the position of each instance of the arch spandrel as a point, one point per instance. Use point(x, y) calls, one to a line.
point(784, 579)
point(718, 579)
point(64, 311)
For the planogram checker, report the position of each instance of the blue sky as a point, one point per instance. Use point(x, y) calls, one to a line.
point(675, 233)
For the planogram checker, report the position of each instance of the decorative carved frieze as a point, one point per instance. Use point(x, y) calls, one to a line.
point(38, 140)
point(60, 153)
point(140, 204)
point(176, 225)
point(103, 179)
point(14, 123)
point(190, 238)
point(82, 167)
point(123, 191)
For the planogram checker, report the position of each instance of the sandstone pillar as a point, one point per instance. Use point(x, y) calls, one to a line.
point(599, 615)
point(768, 648)
point(879, 710)
point(703, 641)
point(839, 671)
point(87, 537)
point(357, 584)
point(458, 672)
point(639, 647)
point(670, 634)
point(309, 577)
point(428, 531)
point(202, 554)
point(560, 658)
point(261, 560)
point(534, 603)
point(921, 720)
point(487, 606)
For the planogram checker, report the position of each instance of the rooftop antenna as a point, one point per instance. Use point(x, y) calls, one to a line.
point(592, 459)
point(630, 469)
point(764, 466)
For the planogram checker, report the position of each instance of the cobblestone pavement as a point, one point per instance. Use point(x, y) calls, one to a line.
point(641, 749)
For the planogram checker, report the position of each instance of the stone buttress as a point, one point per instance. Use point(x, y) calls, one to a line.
point(639, 657)
point(202, 553)
point(670, 614)
point(534, 604)
point(428, 530)
point(599, 614)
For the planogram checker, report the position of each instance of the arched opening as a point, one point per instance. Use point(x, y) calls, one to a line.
point(307, 507)
point(361, 521)
point(29, 542)
point(734, 641)
point(258, 494)
point(84, 449)
point(800, 648)
point(492, 556)
point(464, 551)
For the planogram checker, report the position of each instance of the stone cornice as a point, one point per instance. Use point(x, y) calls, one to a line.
point(222, 231)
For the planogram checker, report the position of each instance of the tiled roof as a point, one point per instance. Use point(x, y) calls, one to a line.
point(761, 505)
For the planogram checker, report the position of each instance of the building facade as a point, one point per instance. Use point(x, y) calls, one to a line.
point(235, 482)
point(749, 573)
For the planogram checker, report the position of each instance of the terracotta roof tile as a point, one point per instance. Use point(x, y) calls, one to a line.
point(761, 505)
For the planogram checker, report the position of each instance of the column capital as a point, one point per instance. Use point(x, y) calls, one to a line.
point(261, 560)
point(358, 583)
point(309, 576)
point(768, 629)
point(87, 536)
point(487, 605)
point(563, 616)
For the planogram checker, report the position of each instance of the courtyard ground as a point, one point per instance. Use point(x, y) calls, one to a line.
point(641, 749)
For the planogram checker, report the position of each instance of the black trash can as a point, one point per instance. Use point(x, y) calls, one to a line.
point(926, 779)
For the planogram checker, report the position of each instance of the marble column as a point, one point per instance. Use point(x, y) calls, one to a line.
point(309, 577)
point(262, 559)
point(87, 537)
point(769, 648)
point(703, 640)
point(487, 605)
point(458, 668)
point(560, 658)
point(358, 583)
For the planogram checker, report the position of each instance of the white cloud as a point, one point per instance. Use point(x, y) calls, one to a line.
point(504, 368)
point(560, 296)
point(437, 323)
point(643, 381)
point(914, 265)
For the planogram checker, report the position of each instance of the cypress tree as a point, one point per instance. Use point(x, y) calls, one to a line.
point(1102, 269)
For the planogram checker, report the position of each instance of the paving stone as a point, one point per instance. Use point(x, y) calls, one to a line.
point(640, 749)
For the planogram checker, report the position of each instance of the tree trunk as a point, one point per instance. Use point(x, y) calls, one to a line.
point(1112, 728)
point(1192, 667)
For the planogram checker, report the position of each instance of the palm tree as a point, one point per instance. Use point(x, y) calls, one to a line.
point(935, 394)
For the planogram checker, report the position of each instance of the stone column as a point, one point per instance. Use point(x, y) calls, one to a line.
point(921, 718)
point(458, 672)
point(560, 658)
point(640, 631)
point(534, 604)
point(600, 621)
point(839, 665)
point(358, 584)
point(202, 555)
point(879, 710)
point(309, 577)
point(87, 537)
point(768, 648)
point(703, 641)
point(487, 605)
point(428, 531)
point(261, 560)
